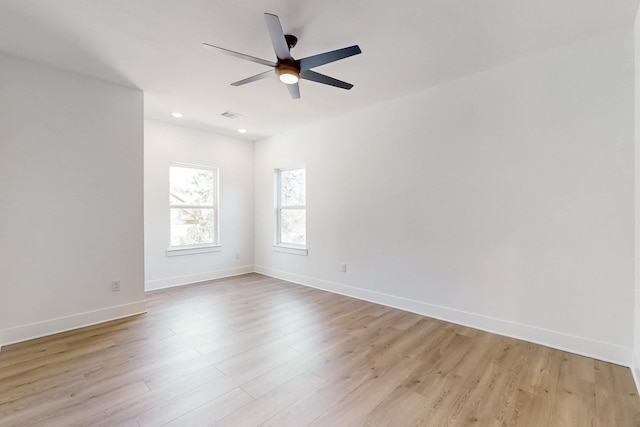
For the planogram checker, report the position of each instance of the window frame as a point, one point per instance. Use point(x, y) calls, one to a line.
point(177, 250)
point(278, 244)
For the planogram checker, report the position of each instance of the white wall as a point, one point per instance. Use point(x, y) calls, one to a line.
point(165, 143)
point(503, 200)
point(71, 210)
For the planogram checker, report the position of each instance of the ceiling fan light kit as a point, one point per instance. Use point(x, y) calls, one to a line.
point(287, 74)
point(288, 69)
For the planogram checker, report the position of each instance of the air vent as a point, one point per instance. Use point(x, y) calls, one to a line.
point(231, 115)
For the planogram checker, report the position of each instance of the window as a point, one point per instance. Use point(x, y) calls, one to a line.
point(193, 204)
point(291, 228)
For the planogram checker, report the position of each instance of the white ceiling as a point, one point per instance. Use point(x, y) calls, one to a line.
point(407, 45)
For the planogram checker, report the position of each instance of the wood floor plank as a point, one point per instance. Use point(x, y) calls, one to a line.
point(379, 384)
point(267, 405)
point(311, 406)
point(70, 409)
point(256, 356)
point(610, 377)
point(214, 410)
point(401, 404)
point(170, 404)
point(575, 396)
point(252, 350)
point(180, 397)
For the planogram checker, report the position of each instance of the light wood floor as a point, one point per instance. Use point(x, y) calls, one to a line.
point(252, 350)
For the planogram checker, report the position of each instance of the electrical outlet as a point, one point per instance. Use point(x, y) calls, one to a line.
point(343, 268)
point(115, 286)
point(237, 255)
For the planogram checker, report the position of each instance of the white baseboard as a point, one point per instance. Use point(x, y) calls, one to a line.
point(574, 344)
point(169, 282)
point(61, 324)
point(635, 370)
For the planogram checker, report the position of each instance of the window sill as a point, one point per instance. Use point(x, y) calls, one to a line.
point(291, 250)
point(177, 251)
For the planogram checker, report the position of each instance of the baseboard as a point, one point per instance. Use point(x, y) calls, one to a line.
point(635, 370)
point(574, 344)
point(169, 282)
point(67, 323)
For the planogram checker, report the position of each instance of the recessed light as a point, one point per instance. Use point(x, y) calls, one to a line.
point(177, 115)
point(242, 130)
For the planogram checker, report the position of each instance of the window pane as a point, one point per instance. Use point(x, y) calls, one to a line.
point(293, 226)
point(292, 190)
point(191, 186)
point(191, 226)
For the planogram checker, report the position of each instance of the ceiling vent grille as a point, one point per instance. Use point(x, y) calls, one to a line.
point(231, 115)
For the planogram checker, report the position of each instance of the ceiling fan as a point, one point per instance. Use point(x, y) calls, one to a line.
point(288, 69)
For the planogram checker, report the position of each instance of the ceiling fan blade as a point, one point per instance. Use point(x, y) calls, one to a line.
point(260, 76)
point(240, 55)
point(321, 78)
point(278, 41)
point(327, 57)
point(294, 90)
